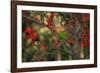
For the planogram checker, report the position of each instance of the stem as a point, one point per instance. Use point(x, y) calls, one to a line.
point(58, 56)
point(82, 53)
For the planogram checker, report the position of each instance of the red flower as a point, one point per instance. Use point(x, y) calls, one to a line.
point(28, 31)
point(84, 43)
point(83, 35)
point(85, 17)
point(85, 38)
point(88, 39)
point(31, 33)
point(43, 47)
point(34, 36)
point(50, 20)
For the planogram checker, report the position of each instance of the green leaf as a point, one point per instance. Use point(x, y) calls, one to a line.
point(63, 35)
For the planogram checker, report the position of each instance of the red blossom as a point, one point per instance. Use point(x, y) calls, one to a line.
point(50, 20)
point(34, 36)
point(83, 35)
point(85, 17)
point(85, 38)
point(28, 31)
point(84, 43)
point(43, 47)
point(31, 33)
point(88, 39)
